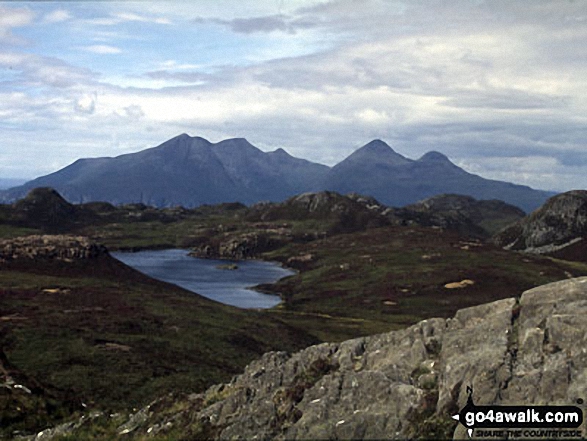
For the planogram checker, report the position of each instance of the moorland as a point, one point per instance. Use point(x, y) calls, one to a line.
point(84, 334)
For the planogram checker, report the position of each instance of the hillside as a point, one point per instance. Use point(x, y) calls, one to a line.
point(191, 171)
point(72, 315)
point(397, 385)
point(468, 216)
point(76, 325)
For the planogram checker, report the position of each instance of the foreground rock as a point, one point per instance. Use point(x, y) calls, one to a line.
point(49, 247)
point(408, 383)
point(402, 384)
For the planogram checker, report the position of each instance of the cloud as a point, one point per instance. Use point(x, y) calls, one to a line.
point(498, 86)
point(506, 99)
point(263, 24)
point(13, 18)
point(102, 49)
point(33, 71)
point(57, 16)
point(117, 18)
point(182, 77)
point(86, 104)
point(127, 16)
point(134, 112)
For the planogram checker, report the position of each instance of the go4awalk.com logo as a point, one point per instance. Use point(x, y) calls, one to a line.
point(520, 421)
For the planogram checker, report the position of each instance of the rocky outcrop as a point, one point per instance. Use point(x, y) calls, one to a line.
point(337, 213)
point(559, 223)
point(464, 214)
point(403, 384)
point(239, 247)
point(49, 247)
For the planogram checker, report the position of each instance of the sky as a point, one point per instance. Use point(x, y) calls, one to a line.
point(499, 86)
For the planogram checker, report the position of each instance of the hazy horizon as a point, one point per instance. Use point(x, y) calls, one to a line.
point(497, 86)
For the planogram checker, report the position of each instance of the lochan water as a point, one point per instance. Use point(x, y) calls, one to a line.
point(204, 277)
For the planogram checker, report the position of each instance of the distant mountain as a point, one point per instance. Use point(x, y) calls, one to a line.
point(183, 171)
point(558, 228)
point(10, 182)
point(192, 171)
point(394, 180)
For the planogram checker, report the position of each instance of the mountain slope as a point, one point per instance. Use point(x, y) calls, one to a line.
point(378, 171)
point(191, 171)
point(182, 171)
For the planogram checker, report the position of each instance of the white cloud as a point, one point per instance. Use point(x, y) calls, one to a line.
point(13, 18)
point(117, 18)
point(127, 16)
point(57, 16)
point(86, 104)
point(34, 71)
point(102, 49)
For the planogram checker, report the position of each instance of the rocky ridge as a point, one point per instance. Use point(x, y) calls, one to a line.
point(272, 224)
point(559, 223)
point(398, 385)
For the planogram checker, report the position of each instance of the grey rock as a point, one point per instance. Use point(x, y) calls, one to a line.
point(402, 384)
point(50, 247)
point(408, 383)
point(559, 223)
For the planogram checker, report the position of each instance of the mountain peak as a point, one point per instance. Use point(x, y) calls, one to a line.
point(434, 156)
point(236, 142)
point(378, 145)
point(184, 137)
point(280, 153)
point(377, 151)
point(184, 140)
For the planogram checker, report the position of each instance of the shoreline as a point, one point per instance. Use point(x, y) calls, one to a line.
point(262, 288)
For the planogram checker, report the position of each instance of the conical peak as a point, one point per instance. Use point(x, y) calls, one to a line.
point(185, 139)
point(377, 145)
point(376, 152)
point(434, 156)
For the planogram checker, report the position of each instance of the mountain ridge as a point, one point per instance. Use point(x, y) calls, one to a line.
point(191, 171)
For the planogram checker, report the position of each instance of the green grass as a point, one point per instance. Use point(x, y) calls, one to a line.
point(10, 231)
point(393, 277)
point(118, 339)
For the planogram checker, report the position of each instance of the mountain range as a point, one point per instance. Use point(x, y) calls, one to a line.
point(191, 171)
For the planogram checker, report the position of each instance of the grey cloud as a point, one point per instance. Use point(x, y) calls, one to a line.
point(506, 99)
point(186, 77)
point(264, 24)
point(45, 71)
point(134, 112)
point(260, 24)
